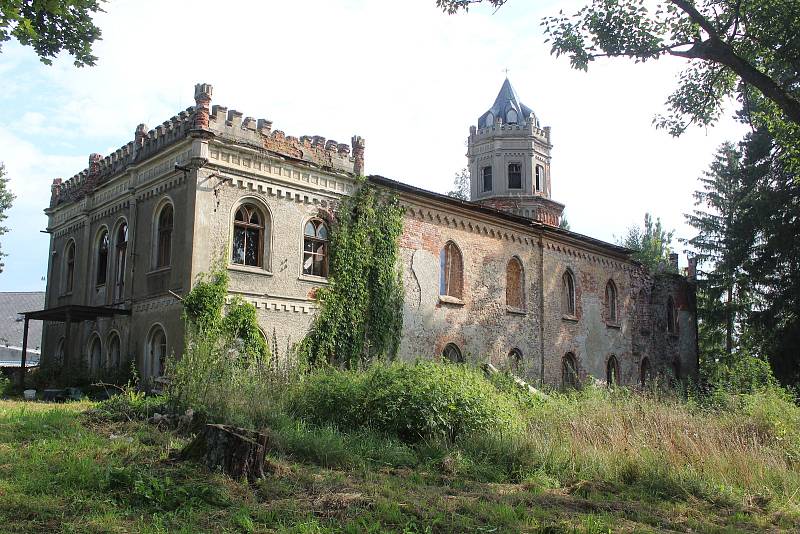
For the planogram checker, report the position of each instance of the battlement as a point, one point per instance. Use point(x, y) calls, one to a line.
point(511, 130)
point(217, 122)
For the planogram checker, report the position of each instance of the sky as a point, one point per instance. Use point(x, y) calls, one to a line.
point(403, 75)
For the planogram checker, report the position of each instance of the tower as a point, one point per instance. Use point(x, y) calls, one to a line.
point(509, 160)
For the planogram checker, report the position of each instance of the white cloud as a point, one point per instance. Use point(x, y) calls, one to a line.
point(405, 76)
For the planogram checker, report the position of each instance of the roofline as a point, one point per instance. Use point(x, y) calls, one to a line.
point(495, 213)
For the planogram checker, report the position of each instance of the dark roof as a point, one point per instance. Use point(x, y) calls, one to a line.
point(492, 212)
point(12, 305)
point(506, 100)
point(75, 313)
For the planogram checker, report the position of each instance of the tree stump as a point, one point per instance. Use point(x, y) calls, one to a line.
point(239, 452)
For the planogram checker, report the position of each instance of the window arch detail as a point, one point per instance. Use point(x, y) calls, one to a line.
point(515, 284)
point(569, 371)
point(568, 293)
point(451, 271)
point(165, 223)
point(315, 248)
point(250, 231)
point(611, 302)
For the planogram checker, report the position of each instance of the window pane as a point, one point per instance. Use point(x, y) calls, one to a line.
point(310, 230)
point(238, 254)
point(322, 231)
point(514, 176)
point(239, 215)
point(251, 251)
point(308, 262)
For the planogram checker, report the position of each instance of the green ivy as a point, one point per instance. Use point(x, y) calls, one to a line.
point(360, 317)
point(203, 311)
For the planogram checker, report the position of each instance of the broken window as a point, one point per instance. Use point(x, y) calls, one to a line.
point(515, 284)
point(164, 237)
point(612, 371)
point(569, 371)
point(315, 248)
point(452, 353)
point(487, 178)
point(451, 281)
point(102, 258)
point(121, 247)
point(514, 176)
point(248, 237)
point(568, 294)
point(611, 302)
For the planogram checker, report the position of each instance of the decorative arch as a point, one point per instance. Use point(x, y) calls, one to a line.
point(163, 226)
point(612, 371)
point(316, 250)
point(515, 284)
point(452, 353)
point(155, 356)
point(612, 314)
point(102, 244)
point(568, 293)
point(569, 371)
point(120, 257)
point(251, 233)
point(114, 351)
point(451, 271)
point(69, 267)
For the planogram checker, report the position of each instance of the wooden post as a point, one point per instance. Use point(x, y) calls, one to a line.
point(24, 354)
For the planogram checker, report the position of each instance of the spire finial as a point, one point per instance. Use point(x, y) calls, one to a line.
point(506, 71)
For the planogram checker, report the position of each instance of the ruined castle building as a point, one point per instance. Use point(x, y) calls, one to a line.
point(489, 280)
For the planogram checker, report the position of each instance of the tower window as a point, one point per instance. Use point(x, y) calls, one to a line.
point(487, 178)
point(511, 116)
point(539, 177)
point(514, 176)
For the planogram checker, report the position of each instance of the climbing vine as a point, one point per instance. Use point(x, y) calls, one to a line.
point(203, 312)
point(360, 317)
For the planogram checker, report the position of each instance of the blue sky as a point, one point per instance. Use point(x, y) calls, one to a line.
point(408, 78)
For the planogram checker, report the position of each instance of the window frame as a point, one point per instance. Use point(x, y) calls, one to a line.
point(447, 286)
point(518, 172)
point(568, 294)
point(149, 352)
point(612, 303)
point(515, 359)
point(264, 226)
point(111, 364)
point(325, 242)
point(539, 177)
point(484, 176)
point(612, 364)
point(672, 316)
point(521, 305)
point(101, 257)
point(162, 236)
point(645, 372)
point(569, 362)
point(95, 366)
point(453, 348)
point(120, 259)
point(70, 257)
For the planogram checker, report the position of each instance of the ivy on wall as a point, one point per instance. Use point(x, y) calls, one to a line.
point(361, 310)
point(203, 311)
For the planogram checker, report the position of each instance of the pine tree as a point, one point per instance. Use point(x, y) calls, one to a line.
point(650, 244)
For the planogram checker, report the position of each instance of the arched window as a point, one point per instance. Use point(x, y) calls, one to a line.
point(164, 236)
point(539, 177)
point(102, 258)
point(514, 176)
point(451, 271)
point(248, 236)
point(121, 248)
point(486, 174)
point(60, 352)
point(156, 352)
point(611, 302)
point(569, 371)
point(452, 353)
point(644, 372)
point(612, 371)
point(511, 116)
point(113, 359)
point(69, 268)
point(315, 248)
point(568, 294)
point(515, 360)
point(95, 355)
point(515, 284)
point(671, 326)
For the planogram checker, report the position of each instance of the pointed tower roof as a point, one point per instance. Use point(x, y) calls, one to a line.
point(507, 101)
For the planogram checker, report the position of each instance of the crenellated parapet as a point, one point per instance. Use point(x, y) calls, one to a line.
point(509, 130)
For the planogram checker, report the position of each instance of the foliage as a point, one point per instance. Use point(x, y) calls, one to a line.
point(52, 26)
point(563, 223)
point(360, 316)
point(5, 386)
point(460, 185)
point(413, 402)
point(202, 307)
point(6, 198)
point(129, 405)
point(650, 244)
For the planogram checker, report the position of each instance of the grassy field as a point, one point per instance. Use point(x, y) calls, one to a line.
point(62, 470)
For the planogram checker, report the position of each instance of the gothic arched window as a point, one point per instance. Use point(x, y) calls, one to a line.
point(315, 248)
point(69, 268)
point(451, 271)
point(164, 236)
point(568, 294)
point(452, 353)
point(113, 359)
point(569, 371)
point(156, 352)
point(248, 236)
point(102, 259)
point(95, 355)
point(121, 248)
point(515, 284)
point(611, 302)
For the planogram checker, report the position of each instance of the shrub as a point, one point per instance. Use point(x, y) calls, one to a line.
point(129, 405)
point(5, 386)
point(414, 402)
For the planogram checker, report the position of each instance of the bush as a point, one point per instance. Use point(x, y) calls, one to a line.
point(413, 402)
point(5, 386)
point(129, 405)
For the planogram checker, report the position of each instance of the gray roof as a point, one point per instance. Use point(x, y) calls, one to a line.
point(13, 303)
point(506, 100)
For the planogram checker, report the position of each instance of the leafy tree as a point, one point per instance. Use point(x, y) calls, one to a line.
point(755, 42)
point(6, 198)
point(460, 185)
point(650, 244)
point(50, 26)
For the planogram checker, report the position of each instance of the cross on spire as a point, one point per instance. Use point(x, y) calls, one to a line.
point(506, 71)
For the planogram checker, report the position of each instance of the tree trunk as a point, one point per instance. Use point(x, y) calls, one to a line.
point(238, 452)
